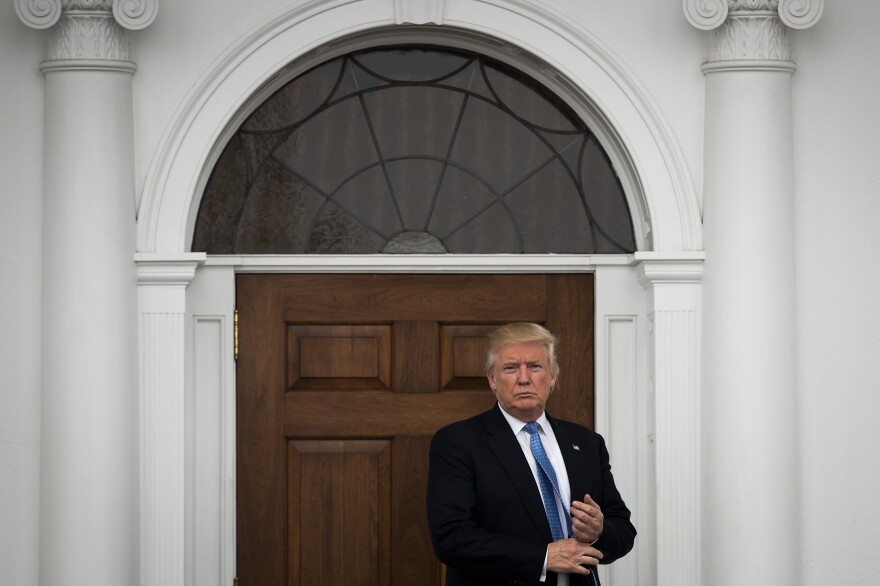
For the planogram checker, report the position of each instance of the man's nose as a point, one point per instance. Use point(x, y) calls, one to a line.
point(522, 375)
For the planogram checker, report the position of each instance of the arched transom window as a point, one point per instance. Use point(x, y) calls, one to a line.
point(413, 149)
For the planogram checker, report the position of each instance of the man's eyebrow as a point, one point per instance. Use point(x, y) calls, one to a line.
point(537, 362)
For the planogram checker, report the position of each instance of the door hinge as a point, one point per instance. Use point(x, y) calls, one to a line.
point(235, 580)
point(235, 342)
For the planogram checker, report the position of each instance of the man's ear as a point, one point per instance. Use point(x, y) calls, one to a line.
point(490, 376)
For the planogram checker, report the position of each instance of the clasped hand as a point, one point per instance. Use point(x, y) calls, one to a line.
point(570, 556)
point(587, 520)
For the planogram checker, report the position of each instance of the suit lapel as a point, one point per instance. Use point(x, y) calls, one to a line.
point(507, 449)
point(573, 457)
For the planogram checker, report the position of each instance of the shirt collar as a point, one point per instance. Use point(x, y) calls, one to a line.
point(517, 426)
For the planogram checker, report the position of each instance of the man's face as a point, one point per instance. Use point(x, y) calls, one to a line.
point(521, 380)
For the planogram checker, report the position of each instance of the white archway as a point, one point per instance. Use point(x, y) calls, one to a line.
point(653, 331)
point(633, 129)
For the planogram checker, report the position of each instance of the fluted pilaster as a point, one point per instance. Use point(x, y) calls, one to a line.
point(161, 307)
point(674, 306)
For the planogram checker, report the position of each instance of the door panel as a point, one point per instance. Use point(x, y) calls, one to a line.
point(341, 382)
point(331, 483)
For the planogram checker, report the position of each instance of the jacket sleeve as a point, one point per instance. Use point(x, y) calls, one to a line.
point(460, 534)
point(618, 533)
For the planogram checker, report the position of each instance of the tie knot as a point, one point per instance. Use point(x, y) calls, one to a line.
point(532, 428)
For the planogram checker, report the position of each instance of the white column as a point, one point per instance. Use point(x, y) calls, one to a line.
point(750, 467)
point(88, 484)
point(162, 287)
point(674, 314)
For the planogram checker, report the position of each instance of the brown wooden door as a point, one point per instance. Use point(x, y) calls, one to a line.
point(341, 382)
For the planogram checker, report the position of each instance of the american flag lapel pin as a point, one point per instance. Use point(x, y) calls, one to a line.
point(577, 447)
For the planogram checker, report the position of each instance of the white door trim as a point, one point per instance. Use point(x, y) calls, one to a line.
point(647, 400)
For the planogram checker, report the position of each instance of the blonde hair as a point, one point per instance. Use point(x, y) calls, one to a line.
point(522, 333)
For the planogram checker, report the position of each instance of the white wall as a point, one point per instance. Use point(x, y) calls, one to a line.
point(837, 170)
point(175, 52)
point(21, 146)
point(654, 41)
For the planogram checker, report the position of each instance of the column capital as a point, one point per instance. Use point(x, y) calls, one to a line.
point(751, 29)
point(88, 30)
point(162, 281)
point(656, 268)
point(167, 269)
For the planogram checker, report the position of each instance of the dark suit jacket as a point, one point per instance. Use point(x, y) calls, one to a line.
point(485, 512)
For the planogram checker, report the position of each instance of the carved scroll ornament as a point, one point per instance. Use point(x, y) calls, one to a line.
point(750, 29)
point(135, 14)
point(87, 29)
point(131, 14)
point(800, 14)
point(38, 14)
point(710, 14)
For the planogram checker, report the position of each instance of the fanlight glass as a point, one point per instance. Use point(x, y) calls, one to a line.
point(413, 149)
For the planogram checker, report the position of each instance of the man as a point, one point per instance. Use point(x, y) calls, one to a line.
point(511, 502)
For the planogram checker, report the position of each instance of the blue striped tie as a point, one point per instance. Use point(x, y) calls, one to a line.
point(548, 483)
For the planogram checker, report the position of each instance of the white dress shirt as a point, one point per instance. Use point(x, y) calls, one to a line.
point(551, 446)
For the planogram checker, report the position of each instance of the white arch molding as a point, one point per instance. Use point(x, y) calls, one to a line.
point(647, 304)
point(635, 134)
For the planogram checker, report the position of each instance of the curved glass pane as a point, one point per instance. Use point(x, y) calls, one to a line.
point(415, 149)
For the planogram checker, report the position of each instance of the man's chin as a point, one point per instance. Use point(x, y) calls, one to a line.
point(527, 402)
point(527, 410)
